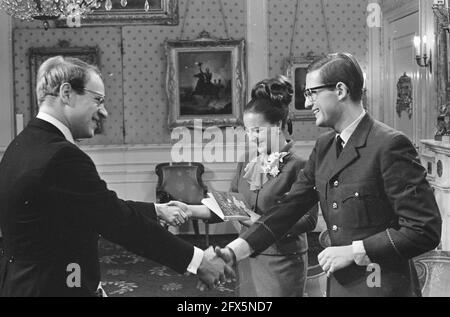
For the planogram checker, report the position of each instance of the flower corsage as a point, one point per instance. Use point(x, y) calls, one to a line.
point(272, 163)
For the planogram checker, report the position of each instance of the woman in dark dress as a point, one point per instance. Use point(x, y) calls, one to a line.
point(280, 270)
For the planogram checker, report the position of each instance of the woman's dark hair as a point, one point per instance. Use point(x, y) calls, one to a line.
point(271, 98)
point(344, 68)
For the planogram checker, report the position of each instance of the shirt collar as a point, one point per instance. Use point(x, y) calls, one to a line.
point(348, 131)
point(58, 124)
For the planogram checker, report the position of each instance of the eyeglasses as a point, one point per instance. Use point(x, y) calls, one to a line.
point(311, 93)
point(100, 99)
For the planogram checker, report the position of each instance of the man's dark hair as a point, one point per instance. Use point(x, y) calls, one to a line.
point(341, 67)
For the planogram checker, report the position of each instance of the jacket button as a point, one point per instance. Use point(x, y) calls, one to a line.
point(356, 194)
point(26, 203)
point(335, 206)
point(335, 228)
point(336, 183)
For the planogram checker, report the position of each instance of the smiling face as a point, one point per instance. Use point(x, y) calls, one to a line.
point(262, 132)
point(87, 111)
point(325, 104)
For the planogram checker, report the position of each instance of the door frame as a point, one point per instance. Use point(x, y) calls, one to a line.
point(388, 81)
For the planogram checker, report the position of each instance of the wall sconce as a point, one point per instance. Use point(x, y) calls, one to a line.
point(422, 58)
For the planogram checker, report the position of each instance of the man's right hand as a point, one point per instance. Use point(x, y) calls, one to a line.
point(227, 255)
point(229, 259)
point(213, 270)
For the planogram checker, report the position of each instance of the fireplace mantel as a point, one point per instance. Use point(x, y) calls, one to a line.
point(436, 159)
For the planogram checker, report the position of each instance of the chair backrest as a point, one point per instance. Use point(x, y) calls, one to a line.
point(433, 270)
point(180, 181)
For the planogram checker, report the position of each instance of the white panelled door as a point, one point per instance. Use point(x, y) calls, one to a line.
point(403, 76)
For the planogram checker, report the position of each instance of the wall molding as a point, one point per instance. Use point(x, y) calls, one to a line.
point(131, 164)
point(129, 170)
point(134, 165)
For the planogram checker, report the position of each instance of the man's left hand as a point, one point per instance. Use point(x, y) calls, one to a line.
point(333, 259)
point(253, 218)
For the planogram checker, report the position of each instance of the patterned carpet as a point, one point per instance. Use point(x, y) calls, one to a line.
point(126, 274)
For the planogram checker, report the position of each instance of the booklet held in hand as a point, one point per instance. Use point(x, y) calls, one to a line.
point(228, 206)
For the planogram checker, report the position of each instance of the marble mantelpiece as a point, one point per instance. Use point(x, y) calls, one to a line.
point(436, 159)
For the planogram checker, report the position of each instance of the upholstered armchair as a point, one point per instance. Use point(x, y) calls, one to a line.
point(182, 182)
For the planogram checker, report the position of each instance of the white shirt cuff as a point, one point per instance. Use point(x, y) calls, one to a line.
point(241, 249)
point(359, 254)
point(196, 261)
point(160, 209)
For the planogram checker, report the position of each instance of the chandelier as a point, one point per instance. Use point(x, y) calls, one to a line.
point(55, 9)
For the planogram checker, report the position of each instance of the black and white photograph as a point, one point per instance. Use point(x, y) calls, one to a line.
point(225, 155)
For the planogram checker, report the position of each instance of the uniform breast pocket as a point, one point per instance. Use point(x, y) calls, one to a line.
point(361, 206)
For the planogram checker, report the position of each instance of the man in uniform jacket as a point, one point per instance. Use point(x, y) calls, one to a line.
point(54, 206)
point(379, 208)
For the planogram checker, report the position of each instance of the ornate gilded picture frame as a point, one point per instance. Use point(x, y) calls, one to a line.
point(296, 69)
point(158, 12)
point(206, 80)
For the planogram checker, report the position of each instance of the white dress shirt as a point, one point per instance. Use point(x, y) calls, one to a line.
point(198, 253)
point(58, 124)
point(242, 249)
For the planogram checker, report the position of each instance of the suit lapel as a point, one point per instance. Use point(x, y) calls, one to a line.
point(350, 152)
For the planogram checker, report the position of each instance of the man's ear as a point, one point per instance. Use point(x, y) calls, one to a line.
point(64, 93)
point(342, 90)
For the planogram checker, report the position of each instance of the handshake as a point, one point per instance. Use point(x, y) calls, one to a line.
point(174, 213)
point(217, 264)
point(216, 268)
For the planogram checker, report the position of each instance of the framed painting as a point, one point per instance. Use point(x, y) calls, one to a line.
point(156, 12)
point(206, 80)
point(38, 55)
point(296, 69)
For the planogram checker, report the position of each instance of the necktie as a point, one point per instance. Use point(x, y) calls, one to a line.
point(339, 145)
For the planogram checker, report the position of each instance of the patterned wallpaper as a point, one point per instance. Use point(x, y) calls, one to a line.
point(346, 22)
point(108, 42)
point(145, 64)
point(135, 78)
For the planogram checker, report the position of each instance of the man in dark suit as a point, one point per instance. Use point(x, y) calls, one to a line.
point(378, 206)
point(54, 206)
